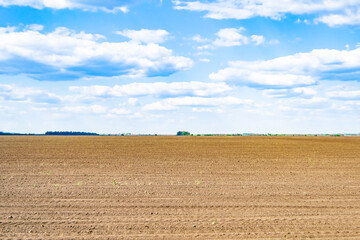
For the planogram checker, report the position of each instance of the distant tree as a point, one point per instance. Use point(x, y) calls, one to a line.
point(68, 133)
point(183, 133)
point(9, 133)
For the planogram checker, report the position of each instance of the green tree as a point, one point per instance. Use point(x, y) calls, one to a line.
point(183, 133)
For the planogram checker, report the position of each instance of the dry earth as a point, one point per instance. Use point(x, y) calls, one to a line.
point(56, 187)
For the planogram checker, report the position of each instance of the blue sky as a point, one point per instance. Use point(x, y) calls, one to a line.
point(224, 66)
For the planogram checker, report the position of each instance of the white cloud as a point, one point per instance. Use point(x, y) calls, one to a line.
point(257, 39)
point(305, 92)
point(353, 105)
point(348, 17)
point(145, 35)
point(204, 60)
point(205, 47)
point(344, 95)
point(132, 101)
point(228, 37)
point(175, 103)
point(298, 103)
point(4, 30)
point(120, 111)
point(156, 88)
point(198, 38)
point(293, 71)
point(66, 54)
point(204, 53)
point(160, 106)
point(328, 10)
point(206, 109)
point(261, 79)
point(26, 94)
point(273, 41)
point(91, 109)
point(35, 27)
point(93, 5)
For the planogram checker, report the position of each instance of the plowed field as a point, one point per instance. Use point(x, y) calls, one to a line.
point(56, 187)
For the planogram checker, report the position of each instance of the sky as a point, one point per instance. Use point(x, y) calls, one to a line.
point(146, 66)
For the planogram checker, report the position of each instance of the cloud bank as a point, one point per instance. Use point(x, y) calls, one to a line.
point(301, 69)
point(175, 103)
point(160, 89)
point(13, 93)
point(331, 12)
point(87, 5)
point(344, 95)
point(66, 55)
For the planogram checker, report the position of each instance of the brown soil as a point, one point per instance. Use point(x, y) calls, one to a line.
point(56, 187)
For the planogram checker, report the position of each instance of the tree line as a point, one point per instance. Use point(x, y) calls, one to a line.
point(67, 133)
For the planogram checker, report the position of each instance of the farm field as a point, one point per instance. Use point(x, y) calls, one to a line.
point(167, 187)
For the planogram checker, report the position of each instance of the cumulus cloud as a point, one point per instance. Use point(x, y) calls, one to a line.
point(157, 88)
point(175, 103)
point(87, 5)
point(292, 71)
point(257, 39)
point(230, 37)
point(332, 12)
point(15, 93)
point(348, 17)
point(145, 35)
point(65, 55)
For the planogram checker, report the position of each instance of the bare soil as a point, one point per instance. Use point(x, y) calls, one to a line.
point(135, 187)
